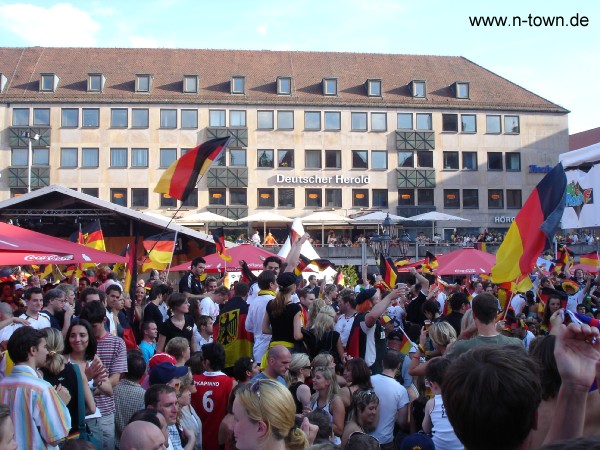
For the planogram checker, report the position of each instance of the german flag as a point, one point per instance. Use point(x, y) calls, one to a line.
point(401, 262)
point(160, 247)
point(180, 179)
point(339, 277)
point(303, 263)
point(247, 275)
point(293, 235)
point(322, 264)
point(591, 259)
point(219, 237)
point(92, 235)
point(430, 263)
point(388, 272)
point(533, 228)
point(563, 259)
point(406, 345)
point(131, 268)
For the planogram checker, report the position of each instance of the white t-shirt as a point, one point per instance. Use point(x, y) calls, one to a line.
point(344, 326)
point(392, 397)
point(441, 298)
point(517, 303)
point(209, 308)
point(254, 320)
point(575, 300)
point(42, 321)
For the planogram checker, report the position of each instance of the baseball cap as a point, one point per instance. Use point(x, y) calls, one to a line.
point(161, 358)
point(164, 372)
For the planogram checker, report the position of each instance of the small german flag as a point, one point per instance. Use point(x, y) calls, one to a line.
point(247, 275)
point(219, 237)
point(303, 263)
point(388, 272)
point(430, 263)
point(401, 262)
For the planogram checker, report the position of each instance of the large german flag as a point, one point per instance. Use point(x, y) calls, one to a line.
point(160, 247)
point(218, 236)
point(533, 228)
point(180, 179)
point(591, 259)
point(92, 235)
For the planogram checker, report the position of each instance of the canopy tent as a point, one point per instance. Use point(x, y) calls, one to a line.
point(254, 257)
point(376, 218)
point(265, 217)
point(467, 261)
point(435, 216)
point(20, 246)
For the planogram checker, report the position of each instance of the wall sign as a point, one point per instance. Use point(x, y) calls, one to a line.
point(537, 169)
point(503, 219)
point(316, 179)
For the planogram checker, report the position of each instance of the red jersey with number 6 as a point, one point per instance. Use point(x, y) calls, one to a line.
point(210, 403)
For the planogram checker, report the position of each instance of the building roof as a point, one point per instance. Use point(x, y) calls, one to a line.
point(584, 138)
point(23, 66)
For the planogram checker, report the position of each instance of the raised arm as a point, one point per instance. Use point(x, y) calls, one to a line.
point(294, 254)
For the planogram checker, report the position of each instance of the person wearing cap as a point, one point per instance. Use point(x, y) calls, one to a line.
point(367, 337)
point(167, 373)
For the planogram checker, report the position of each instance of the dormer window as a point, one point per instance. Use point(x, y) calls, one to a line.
point(143, 83)
point(374, 88)
point(238, 85)
point(48, 82)
point(284, 85)
point(330, 86)
point(462, 89)
point(3, 81)
point(419, 88)
point(95, 82)
point(190, 84)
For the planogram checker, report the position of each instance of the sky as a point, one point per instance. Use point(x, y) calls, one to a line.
point(561, 64)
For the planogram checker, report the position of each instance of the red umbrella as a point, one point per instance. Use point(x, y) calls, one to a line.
point(254, 257)
point(584, 267)
point(465, 262)
point(20, 246)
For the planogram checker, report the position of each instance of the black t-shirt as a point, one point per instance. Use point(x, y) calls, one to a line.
point(68, 379)
point(152, 314)
point(414, 310)
point(169, 330)
point(282, 327)
point(454, 319)
point(189, 283)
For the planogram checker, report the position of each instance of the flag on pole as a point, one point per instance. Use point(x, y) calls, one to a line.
point(533, 229)
point(181, 177)
point(218, 236)
point(92, 235)
point(247, 275)
point(160, 247)
point(131, 268)
point(401, 262)
point(430, 263)
point(388, 273)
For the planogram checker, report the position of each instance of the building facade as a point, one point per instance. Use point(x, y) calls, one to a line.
point(341, 131)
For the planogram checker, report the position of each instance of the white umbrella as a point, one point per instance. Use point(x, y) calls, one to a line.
point(323, 217)
point(436, 216)
point(265, 217)
point(204, 217)
point(377, 217)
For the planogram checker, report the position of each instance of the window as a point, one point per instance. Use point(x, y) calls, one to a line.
point(190, 84)
point(379, 159)
point(238, 196)
point(332, 120)
point(20, 117)
point(68, 157)
point(359, 121)
point(450, 122)
point(41, 116)
point(333, 198)
point(333, 159)
point(143, 83)
point(19, 157)
point(189, 118)
point(470, 198)
point(374, 88)
point(90, 117)
point(329, 86)
point(451, 198)
point(119, 196)
point(285, 158)
point(237, 118)
point(360, 159)
point(419, 89)
point(140, 118)
point(312, 159)
point(237, 157)
point(89, 157)
point(493, 125)
point(378, 121)
point(221, 161)
point(118, 157)
point(380, 198)
point(238, 85)
point(495, 199)
point(468, 123)
point(405, 121)
point(314, 198)
point(462, 89)
point(265, 158)
point(406, 197)
point(494, 161)
point(191, 200)
point(166, 201)
point(406, 159)
point(91, 191)
point(217, 196)
point(285, 120)
point(424, 159)
point(48, 82)
point(70, 117)
point(168, 118)
point(118, 118)
point(265, 120)
point(425, 197)
point(423, 121)
point(216, 118)
point(16, 192)
point(511, 125)
point(167, 157)
point(139, 198)
point(513, 199)
point(285, 198)
point(450, 160)
point(284, 85)
point(312, 120)
point(95, 82)
point(139, 157)
point(469, 160)
point(266, 198)
point(513, 162)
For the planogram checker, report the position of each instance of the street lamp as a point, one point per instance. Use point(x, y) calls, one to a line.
point(380, 243)
point(36, 137)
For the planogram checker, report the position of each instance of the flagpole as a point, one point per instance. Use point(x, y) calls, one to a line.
point(172, 253)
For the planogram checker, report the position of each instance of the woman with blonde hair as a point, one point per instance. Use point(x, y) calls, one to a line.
point(187, 417)
point(326, 338)
point(327, 399)
point(313, 311)
point(264, 418)
point(297, 374)
point(442, 335)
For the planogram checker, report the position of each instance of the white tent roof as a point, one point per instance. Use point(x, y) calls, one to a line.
point(377, 217)
point(583, 155)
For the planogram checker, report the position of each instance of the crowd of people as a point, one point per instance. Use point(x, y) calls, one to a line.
point(279, 363)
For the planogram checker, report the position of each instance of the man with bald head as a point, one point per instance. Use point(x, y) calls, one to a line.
point(140, 435)
point(279, 359)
